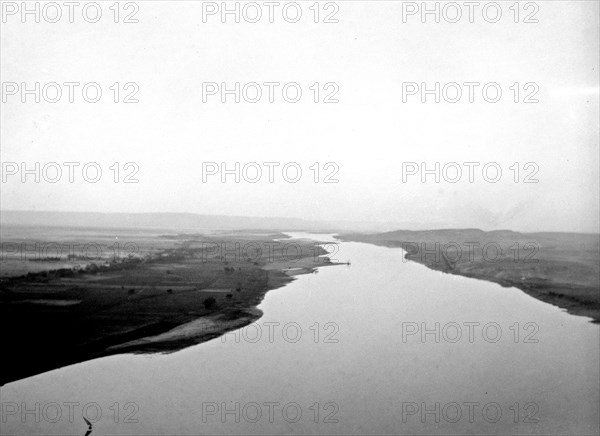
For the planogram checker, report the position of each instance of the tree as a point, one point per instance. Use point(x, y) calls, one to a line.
point(209, 303)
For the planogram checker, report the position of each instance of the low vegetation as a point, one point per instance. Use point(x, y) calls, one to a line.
point(559, 268)
point(173, 280)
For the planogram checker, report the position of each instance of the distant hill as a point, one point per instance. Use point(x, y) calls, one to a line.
point(180, 221)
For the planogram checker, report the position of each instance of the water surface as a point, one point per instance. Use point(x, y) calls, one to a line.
point(358, 374)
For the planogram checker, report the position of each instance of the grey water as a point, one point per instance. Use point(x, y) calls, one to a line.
point(382, 346)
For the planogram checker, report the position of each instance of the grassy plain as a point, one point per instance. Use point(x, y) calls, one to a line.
point(158, 295)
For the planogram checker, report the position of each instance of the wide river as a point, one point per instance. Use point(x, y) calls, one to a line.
point(383, 346)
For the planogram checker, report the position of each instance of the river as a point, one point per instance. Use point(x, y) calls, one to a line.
point(342, 352)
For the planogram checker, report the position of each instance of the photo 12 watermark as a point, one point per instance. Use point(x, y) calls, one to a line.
point(271, 172)
point(66, 251)
point(252, 412)
point(452, 12)
point(454, 253)
point(470, 412)
point(70, 172)
point(263, 251)
point(69, 411)
point(69, 92)
point(469, 331)
point(69, 12)
point(469, 92)
point(269, 92)
point(235, 12)
point(290, 332)
point(471, 172)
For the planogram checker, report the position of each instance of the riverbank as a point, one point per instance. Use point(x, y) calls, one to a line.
point(195, 288)
point(558, 268)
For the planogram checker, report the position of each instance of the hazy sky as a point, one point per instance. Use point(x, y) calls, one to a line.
point(369, 54)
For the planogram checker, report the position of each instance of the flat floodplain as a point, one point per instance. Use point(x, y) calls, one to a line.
point(72, 307)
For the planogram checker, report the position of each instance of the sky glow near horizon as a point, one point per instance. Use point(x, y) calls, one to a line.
point(369, 134)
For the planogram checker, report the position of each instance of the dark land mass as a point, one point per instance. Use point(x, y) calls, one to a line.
point(177, 291)
point(559, 268)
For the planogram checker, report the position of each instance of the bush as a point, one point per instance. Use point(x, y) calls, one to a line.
point(209, 303)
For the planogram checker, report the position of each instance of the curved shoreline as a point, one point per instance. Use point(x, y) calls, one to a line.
point(175, 299)
point(543, 279)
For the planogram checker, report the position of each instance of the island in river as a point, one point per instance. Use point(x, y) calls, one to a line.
point(136, 292)
point(559, 268)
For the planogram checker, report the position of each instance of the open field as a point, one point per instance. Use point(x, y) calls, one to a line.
point(87, 307)
point(559, 268)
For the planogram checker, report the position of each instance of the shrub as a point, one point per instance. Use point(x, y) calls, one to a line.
point(209, 303)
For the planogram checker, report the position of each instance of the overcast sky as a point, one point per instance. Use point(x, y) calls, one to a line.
point(369, 53)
